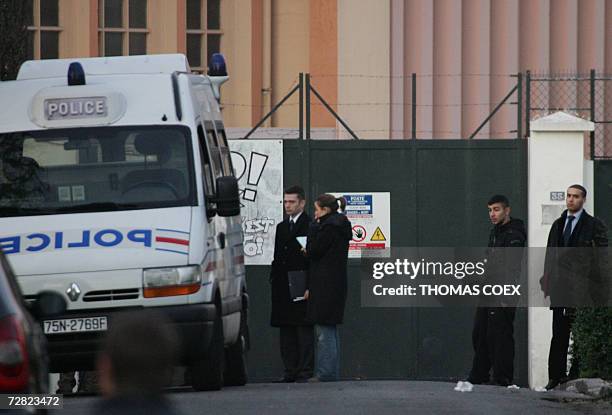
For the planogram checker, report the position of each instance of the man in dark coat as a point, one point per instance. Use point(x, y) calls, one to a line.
point(575, 275)
point(328, 242)
point(493, 334)
point(296, 335)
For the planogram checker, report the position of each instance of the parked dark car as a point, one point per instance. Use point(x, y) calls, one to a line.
point(23, 346)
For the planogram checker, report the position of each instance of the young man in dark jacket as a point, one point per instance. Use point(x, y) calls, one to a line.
point(575, 274)
point(493, 334)
point(296, 334)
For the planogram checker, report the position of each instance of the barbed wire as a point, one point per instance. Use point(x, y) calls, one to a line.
point(569, 77)
point(282, 131)
point(409, 76)
point(566, 91)
point(348, 104)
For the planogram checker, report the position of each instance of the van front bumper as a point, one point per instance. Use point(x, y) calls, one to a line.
point(77, 351)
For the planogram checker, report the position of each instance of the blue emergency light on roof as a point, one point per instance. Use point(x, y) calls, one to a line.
point(217, 67)
point(76, 74)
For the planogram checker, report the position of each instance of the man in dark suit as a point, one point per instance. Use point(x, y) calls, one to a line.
point(574, 276)
point(296, 334)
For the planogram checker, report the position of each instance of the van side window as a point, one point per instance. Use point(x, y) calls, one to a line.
point(207, 172)
point(213, 147)
point(228, 169)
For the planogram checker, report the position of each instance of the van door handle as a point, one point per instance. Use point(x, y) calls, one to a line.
point(222, 240)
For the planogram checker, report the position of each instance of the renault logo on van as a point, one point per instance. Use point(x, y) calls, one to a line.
point(74, 292)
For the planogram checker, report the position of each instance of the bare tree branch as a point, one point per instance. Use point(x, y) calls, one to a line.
point(14, 36)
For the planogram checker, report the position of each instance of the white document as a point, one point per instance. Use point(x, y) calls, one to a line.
point(302, 240)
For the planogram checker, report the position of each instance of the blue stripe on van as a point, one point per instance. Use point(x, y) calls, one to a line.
point(170, 250)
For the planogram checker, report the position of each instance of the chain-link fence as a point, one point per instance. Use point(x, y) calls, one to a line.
point(602, 145)
point(588, 96)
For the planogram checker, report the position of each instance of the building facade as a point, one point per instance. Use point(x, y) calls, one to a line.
point(361, 54)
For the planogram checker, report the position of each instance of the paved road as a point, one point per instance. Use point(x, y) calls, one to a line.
point(362, 397)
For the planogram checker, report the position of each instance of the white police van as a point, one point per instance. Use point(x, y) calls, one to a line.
point(117, 190)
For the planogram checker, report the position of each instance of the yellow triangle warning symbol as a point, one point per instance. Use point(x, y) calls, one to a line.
point(378, 235)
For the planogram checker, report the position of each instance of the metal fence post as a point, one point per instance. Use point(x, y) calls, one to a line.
point(519, 106)
point(301, 115)
point(592, 89)
point(272, 111)
point(414, 104)
point(528, 104)
point(307, 106)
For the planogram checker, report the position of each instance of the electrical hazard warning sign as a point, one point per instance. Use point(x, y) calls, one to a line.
point(378, 235)
point(370, 216)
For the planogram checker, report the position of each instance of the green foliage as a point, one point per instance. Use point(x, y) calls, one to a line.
point(13, 38)
point(592, 331)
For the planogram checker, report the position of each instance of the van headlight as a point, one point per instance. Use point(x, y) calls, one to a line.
point(166, 282)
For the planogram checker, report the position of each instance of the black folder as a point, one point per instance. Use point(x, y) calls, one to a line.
point(297, 285)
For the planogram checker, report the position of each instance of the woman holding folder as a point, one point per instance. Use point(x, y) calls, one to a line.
point(327, 250)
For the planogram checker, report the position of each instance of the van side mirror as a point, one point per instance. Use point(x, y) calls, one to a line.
point(48, 304)
point(228, 197)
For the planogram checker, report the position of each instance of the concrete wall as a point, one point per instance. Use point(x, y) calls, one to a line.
point(556, 161)
point(465, 52)
point(364, 66)
point(290, 37)
point(77, 39)
point(361, 54)
point(237, 94)
point(163, 19)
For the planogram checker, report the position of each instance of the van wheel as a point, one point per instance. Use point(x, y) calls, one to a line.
point(207, 373)
point(236, 369)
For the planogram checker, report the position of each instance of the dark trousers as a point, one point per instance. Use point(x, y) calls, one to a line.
point(493, 341)
point(563, 318)
point(297, 351)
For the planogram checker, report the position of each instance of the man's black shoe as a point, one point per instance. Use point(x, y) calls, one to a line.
point(570, 376)
point(553, 383)
point(284, 379)
point(476, 381)
point(501, 382)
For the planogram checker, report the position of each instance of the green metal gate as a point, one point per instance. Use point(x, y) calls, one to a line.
point(439, 191)
point(603, 192)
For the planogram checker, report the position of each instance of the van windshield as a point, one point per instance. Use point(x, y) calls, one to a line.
point(95, 169)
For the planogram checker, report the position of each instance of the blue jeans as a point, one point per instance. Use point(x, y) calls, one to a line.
point(327, 366)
